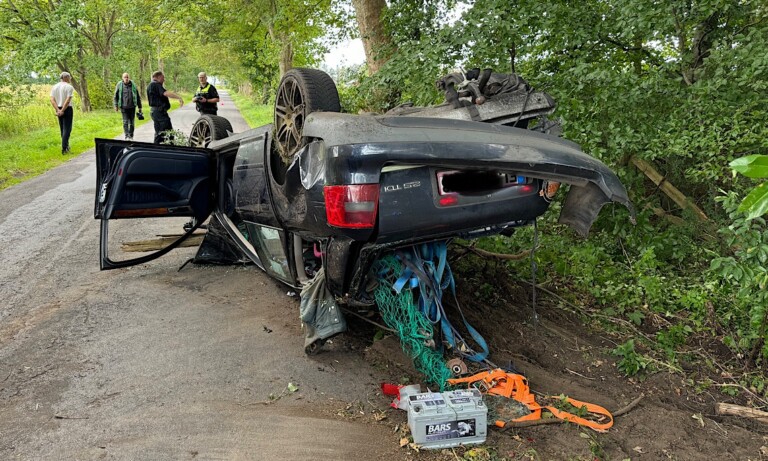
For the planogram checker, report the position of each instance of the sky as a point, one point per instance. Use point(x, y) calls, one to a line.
point(346, 53)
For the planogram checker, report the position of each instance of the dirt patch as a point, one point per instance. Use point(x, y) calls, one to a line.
point(560, 355)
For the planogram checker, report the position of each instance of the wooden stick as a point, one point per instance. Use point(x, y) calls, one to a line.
point(672, 191)
point(507, 257)
point(160, 243)
point(729, 409)
point(629, 407)
point(663, 214)
point(366, 319)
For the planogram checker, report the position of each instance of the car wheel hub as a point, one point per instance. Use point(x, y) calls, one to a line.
point(289, 119)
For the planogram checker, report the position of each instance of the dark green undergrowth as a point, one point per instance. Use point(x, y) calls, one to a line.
point(677, 296)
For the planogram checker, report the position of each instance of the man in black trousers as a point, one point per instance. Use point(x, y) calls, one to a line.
point(126, 100)
point(159, 104)
point(61, 100)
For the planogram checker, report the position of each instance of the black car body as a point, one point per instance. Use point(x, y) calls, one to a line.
point(357, 185)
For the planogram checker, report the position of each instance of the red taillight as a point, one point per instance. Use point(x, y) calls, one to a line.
point(353, 206)
point(448, 200)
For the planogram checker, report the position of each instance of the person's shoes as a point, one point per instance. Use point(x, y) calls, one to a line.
point(129, 138)
point(66, 151)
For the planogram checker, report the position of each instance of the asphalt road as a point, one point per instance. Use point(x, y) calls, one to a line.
point(154, 363)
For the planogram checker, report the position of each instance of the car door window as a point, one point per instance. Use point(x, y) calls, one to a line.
point(270, 244)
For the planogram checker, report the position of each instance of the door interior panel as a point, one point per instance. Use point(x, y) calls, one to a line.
point(139, 180)
point(168, 183)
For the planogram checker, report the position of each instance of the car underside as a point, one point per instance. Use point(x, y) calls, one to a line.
point(324, 189)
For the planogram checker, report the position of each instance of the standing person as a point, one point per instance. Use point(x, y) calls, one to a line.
point(61, 100)
point(126, 100)
point(207, 97)
point(159, 105)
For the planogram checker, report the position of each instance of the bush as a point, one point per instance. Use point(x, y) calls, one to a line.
point(672, 286)
point(740, 274)
point(100, 92)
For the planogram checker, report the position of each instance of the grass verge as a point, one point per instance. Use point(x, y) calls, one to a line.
point(35, 152)
point(253, 113)
point(38, 149)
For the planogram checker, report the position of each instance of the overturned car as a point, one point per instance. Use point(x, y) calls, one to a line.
point(323, 189)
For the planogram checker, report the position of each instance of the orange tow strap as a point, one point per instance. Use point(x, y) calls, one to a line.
point(514, 386)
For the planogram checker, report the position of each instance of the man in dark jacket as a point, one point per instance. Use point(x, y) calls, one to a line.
point(206, 98)
point(127, 100)
point(159, 105)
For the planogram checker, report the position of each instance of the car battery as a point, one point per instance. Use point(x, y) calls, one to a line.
point(447, 419)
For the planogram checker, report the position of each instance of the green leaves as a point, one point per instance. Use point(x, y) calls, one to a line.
point(751, 166)
point(631, 362)
point(755, 204)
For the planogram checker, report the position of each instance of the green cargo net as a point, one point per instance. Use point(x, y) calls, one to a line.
point(416, 333)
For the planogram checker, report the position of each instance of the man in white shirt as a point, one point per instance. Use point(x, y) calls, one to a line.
point(61, 100)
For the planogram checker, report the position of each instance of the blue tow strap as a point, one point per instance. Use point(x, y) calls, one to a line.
point(426, 268)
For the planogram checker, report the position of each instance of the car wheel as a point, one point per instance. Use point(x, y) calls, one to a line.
point(209, 128)
point(301, 92)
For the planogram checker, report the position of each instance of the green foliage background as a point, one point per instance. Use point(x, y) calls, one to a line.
point(683, 85)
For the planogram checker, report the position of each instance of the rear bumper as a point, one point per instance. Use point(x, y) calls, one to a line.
point(356, 148)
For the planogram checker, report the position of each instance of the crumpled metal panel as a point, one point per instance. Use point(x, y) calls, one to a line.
point(218, 247)
point(311, 164)
point(581, 207)
point(319, 311)
point(508, 108)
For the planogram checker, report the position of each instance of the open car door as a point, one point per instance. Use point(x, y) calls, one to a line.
point(138, 180)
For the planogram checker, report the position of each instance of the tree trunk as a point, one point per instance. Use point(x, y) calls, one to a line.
point(160, 64)
point(143, 76)
point(692, 60)
point(637, 57)
point(375, 39)
point(81, 87)
point(265, 93)
point(285, 61)
point(286, 56)
point(81, 83)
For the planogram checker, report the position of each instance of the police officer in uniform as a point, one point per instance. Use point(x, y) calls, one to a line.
point(206, 98)
point(159, 105)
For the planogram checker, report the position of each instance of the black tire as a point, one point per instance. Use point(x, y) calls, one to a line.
point(301, 92)
point(209, 128)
